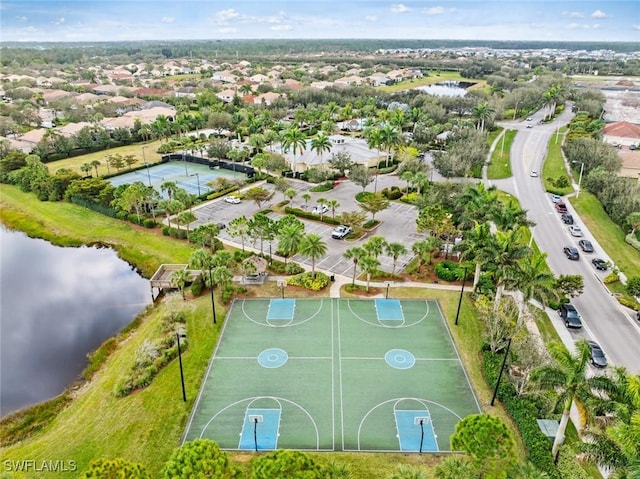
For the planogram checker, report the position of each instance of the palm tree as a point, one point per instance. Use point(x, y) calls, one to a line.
point(239, 227)
point(533, 280)
point(508, 251)
point(395, 250)
point(333, 205)
point(369, 265)
point(375, 246)
point(306, 197)
point(476, 246)
point(169, 187)
point(291, 194)
point(321, 144)
point(294, 139)
point(314, 247)
point(482, 111)
point(86, 168)
point(408, 177)
point(179, 278)
point(290, 238)
point(424, 249)
point(95, 164)
point(391, 138)
point(355, 254)
point(567, 377)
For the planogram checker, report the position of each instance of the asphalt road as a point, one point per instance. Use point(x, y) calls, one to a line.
point(604, 320)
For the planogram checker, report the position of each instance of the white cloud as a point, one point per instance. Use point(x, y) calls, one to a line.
point(223, 16)
point(599, 14)
point(22, 19)
point(59, 21)
point(399, 8)
point(635, 27)
point(595, 26)
point(439, 10)
point(577, 26)
point(228, 30)
point(371, 18)
point(168, 20)
point(573, 14)
point(281, 28)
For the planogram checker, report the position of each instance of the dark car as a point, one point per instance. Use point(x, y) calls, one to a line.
point(567, 218)
point(600, 264)
point(570, 316)
point(586, 246)
point(561, 207)
point(571, 252)
point(598, 358)
point(341, 232)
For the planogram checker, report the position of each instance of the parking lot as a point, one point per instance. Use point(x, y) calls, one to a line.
point(398, 223)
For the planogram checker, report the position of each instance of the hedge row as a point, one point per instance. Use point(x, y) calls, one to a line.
point(525, 412)
point(311, 216)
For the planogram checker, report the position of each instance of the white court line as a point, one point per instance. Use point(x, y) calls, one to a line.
point(333, 385)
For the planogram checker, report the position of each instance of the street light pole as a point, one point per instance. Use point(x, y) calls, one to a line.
point(504, 362)
point(515, 111)
point(461, 293)
point(580, 178)
point(184, 393)
point(144, 159)
point(213, 304)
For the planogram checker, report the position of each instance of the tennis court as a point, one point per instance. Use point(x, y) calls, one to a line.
point(192, 177)
point(333, 375)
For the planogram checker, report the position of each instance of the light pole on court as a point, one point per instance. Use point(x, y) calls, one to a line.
point(213, 304)
point(197, 175)
point(504, 362)
point(144, 159)
point(464, 278)
point(184, 392)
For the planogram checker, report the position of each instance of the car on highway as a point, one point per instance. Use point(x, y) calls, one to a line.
point(571, 252)
point(597, 357)
point(529, 118)
point(567, 218)
point(600, 264)
point(586, 246)
point(555, 198)
point(320, 209)
point(234, 200)
point(529, 125)
point(533, 174)
point(575, 230)
point(570, 316)
point(340, 232)
point(561, 207)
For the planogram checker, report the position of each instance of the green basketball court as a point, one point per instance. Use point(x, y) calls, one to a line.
point(333, 375)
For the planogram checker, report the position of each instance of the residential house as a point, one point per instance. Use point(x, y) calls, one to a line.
point(266, 98)
point(352, 80)
point(621, 133)
point(228, 95)
point(224, 76)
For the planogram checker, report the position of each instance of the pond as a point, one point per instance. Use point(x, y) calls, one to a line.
point(58, 304)
point(448, 88)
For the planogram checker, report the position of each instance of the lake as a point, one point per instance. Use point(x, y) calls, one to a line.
point(448, 88)
point(56, 305)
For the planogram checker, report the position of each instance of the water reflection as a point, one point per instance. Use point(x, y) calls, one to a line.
point(449, 88)
point(57, 305)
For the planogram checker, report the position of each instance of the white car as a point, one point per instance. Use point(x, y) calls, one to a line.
point(575, 230)
point(529, 118)
point(320, 210)
point(234, 200)
point(533, 174)
point(341, 232)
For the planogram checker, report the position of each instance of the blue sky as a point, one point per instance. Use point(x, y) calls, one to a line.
point(101, 20)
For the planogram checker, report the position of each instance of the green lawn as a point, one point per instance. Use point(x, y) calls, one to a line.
point(434, 77)
point(554, 166)
point(150, 154)
point(607, 233)
point(500, 164)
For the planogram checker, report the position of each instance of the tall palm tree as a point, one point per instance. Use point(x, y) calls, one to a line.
point(567, 377)
point(321, 144)
point(424, 249)
point(369, 265)
point(290, 237)
point(293, 139)
point(508, 251)
point(239, 227)
point(375, 246)
point(533, 280)
point(476, 245)
point(395, 250)
point(482, 111)
point(314, 247)
point(391, 138)
point(355, 254)
point(333, 205)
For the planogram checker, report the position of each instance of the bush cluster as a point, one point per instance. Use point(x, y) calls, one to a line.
point(611, 278)
point(393, 193)
point(448, 271)
point(279, 267)
point(306, 280)
point(525, 411)
point(311, 216)
point(151, 357)
point(568, 467)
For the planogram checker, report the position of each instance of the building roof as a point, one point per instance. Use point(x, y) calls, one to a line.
point(622, 129)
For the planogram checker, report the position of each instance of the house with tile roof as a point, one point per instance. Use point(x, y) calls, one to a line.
point(621, 133)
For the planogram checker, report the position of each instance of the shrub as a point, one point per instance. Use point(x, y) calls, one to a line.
point(629, 303)
point(197, 286)
point(362, 196)
point(307, 281)
point(611, 278)
point(149, 223)
point(568, 466)
point(166, 231)
point(411, 197)
point(370, 224)
point(633, 286)
point(326, 186)
point(448, 271)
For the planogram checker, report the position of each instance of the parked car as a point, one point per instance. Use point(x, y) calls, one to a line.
point(529, 118)
point(234, 200)
point(320, 209)
point(570, 316)
point(575, 230)
point(586, 246)
point(598, 358)
point(567, 218)
point(600, 264)
point(561, 207)
point(221, 225)
point(633, 147)
point(571, 252)
point(555, 198)
point(341, 232)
